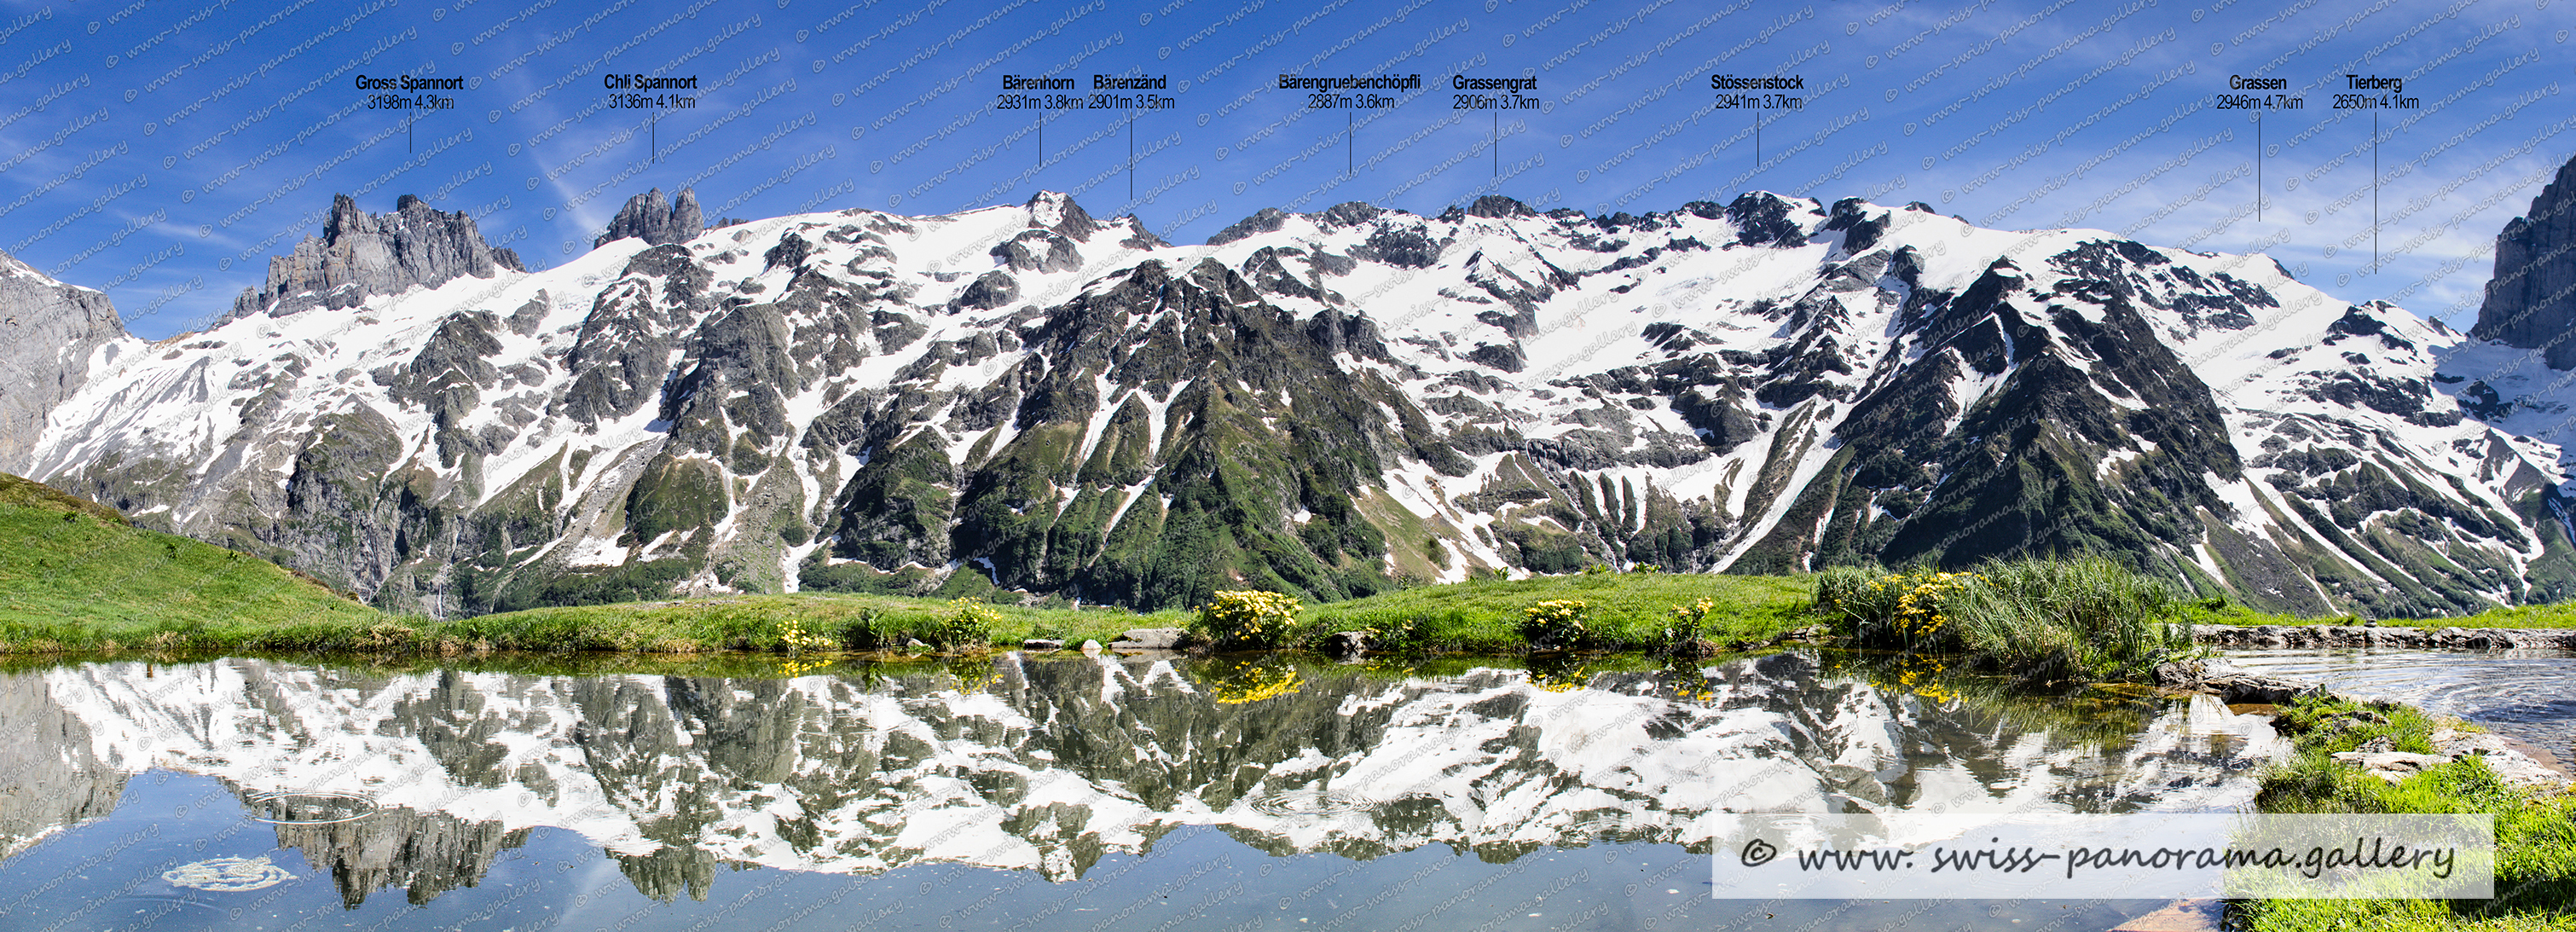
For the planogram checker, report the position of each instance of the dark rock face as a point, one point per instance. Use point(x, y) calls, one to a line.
point(650, 218)
point(1265, 220)
point(624, 347)
point(361, 254)
point(2531, 302)
point(1038, 251)
point(990, 290)
point(1765, 220)
point(1069, 219)
point(1402, 247)
point(1498, 206)
point(449, 375)
point(1860, 231)
point(1228, 368)
point(48, 331)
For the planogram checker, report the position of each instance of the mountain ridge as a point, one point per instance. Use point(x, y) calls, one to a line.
point(1334, 404)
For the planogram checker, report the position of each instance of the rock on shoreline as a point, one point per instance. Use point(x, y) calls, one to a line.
point(2359, 636)
point(2513, 761)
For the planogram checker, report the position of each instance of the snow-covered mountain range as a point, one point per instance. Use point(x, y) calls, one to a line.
point(1031, 398)
point(1051, 765)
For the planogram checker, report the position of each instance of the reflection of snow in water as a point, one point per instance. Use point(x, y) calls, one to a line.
point(864, 774)
point(228, 875)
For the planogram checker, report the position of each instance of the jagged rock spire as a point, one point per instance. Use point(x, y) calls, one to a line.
point(655, 220)
point(361, 254)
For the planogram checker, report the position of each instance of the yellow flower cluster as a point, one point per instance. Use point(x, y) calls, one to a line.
point(968, 625)
point(1563, 680)
point(1918, 605)
point(1684, 626)
point(1920, 675)
point(1555, 623)
point(1247, 618)
point(793, 638)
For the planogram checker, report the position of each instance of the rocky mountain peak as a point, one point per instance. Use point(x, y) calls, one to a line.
point(1050, 210)
point(1767, 219)
point(1499, 207)
point(2531, 302)
point(656, 220)
point(361, 254)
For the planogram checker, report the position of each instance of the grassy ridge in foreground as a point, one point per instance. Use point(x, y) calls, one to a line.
point(2219, 611)
point(75, 574)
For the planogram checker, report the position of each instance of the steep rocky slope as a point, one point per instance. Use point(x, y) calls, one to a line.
point(51, 337)
point(2531, 301)
point(1032, 398)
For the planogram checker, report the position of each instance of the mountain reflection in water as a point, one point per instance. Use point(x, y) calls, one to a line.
point(419, 780)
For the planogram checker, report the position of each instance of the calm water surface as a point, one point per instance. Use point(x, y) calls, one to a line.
point(1016, 793)
point(2522, 693)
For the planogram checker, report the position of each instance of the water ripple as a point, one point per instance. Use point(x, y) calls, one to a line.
point(322, 808)
point(1309, 803)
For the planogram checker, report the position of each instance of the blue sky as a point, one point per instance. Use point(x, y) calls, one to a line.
point(162, 151)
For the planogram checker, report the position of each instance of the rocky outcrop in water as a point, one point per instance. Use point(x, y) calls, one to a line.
point(651, 218)
point(361, 254)
point(48, 332)
point(2232, 685)
point(2531, 302)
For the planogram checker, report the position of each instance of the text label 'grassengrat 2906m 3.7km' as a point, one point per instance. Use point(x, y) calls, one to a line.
point(1510, 98)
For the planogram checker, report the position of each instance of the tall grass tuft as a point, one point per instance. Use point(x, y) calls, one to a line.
point(2045, 620)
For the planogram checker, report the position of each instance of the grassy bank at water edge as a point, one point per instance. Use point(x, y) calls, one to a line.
point(76, 576)
point(2535, 882)
point(2044, 620)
